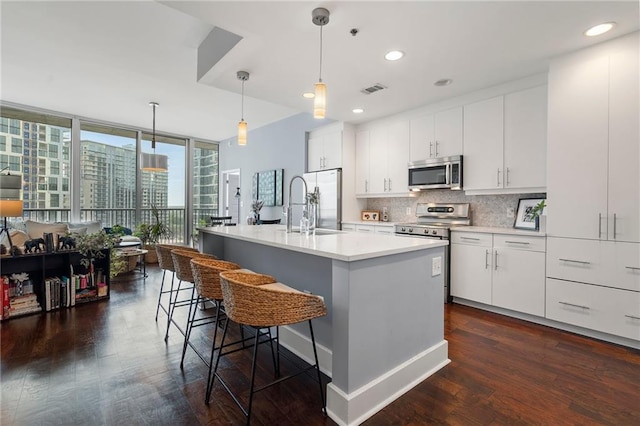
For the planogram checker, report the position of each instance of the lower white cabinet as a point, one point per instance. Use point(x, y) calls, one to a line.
point(604, 309)
point(377, 228)
point(502, 270)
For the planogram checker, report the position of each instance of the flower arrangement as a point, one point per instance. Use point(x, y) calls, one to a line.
point(90, 247)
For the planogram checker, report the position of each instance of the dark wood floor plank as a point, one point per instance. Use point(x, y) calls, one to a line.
point(108, 363)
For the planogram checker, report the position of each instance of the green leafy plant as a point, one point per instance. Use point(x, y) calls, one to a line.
point(118, 230)
point(91, 247)
point(150, 234)
point(537, 209)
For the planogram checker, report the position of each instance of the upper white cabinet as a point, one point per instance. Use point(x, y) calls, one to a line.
point(382, 154)
point(436, 135)
point(594, 144)
point(324, 149)
point(505, 143)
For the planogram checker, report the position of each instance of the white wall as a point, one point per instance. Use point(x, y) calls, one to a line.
point(280, 145)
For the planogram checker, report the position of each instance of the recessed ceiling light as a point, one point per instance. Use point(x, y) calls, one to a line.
point(358, 110)
point(443, 82)
point(309, 95)
point(394, 55)
point(599, 29)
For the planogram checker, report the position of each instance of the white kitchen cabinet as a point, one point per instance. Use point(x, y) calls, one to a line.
point(506, 271)
point(324, 149)
point(384, 229)
point(594, 150)
point(362, 163)
point(350, 227)
point(505, 143)
point(382, 154)
point(604, 309)
point(436, 135)
point(519, 274)
point(471, 256)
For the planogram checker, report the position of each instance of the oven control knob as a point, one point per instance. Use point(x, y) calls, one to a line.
point(403, 229)
point(410, 229)
point(426, 231)
point(434, 232)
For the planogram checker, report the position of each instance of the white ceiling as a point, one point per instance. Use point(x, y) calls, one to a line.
point(107, 60)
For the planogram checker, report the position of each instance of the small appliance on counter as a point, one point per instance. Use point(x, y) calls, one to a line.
point(436, 173)
point(385, 215)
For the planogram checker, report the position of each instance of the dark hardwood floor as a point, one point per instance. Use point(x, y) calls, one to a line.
point(107, 363)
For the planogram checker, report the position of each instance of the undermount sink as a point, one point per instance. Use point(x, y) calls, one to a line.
point(318, 231)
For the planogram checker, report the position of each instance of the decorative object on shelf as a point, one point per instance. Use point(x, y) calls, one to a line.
point(320, 17)
point(65, 242)
point(529, 211)
point(238, 197)
point(385, 214)
point(10, 201)
point(370, 215)
point(34, 245)
point(152, 162)
point(256, 206)
point(242, 125)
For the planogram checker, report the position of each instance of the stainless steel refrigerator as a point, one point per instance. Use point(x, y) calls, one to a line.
point(328, 184)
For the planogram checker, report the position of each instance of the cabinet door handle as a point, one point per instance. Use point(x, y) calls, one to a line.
point(634, 268)
point(582, 262)
point(366, 186)
point(486, 259)
point(498, 178)
point(430, 149)
point(437, 143)
point(574, 305)
point(495, 262)
point(632, 317)
point(614, 226)
point(385, 184)
point(599, 225)
point(507, 177)
point(518, 242)
point(320, 162)
point(470, 238)
point(389, 184)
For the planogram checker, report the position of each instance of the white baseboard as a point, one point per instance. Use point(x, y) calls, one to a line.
point(358, 406)
point(300, 345)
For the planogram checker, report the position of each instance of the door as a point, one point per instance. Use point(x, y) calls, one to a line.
point(447, 127)
point(471, 272)
point(231, 196)
point(362, 162)
point(378, 142)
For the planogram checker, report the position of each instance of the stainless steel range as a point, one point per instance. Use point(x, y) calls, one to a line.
point(434, 221)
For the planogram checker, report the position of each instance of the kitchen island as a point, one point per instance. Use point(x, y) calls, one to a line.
point(384, 331)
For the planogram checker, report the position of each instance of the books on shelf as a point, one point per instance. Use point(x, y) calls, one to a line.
point(17, 296)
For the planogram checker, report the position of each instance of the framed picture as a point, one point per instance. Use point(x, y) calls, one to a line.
point(370, 215)
point(525, 216)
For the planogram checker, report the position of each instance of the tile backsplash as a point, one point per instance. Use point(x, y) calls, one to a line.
point(486, 210)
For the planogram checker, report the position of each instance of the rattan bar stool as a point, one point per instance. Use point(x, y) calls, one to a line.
point(182, 264)
point(165, 261)
point(259, 301)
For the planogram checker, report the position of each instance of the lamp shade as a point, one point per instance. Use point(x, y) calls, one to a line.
point(10, 182)
point(154, 162)
point(320, 100)
point(242, 133)
point(11, 208)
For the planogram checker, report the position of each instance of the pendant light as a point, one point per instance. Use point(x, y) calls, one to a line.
point(154, 162)
point(242, 125)
point(320, 17)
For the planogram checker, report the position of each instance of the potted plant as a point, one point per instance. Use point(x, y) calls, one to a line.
point(150, 234)
point(537, 211)
point(91, 247)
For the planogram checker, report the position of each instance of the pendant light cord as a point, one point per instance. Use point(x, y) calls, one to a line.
point(320, 73)
point(242, 103)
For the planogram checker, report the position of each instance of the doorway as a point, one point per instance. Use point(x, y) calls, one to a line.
point(231, 195)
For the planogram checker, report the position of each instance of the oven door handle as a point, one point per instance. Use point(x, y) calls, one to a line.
point(448, 174)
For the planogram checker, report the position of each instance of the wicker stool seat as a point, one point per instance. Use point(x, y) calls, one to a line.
point(165, 261)
point(259, 301)
point(182, 265)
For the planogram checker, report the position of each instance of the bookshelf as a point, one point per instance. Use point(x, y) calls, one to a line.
point(43, 282)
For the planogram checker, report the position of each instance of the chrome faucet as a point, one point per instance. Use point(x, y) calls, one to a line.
point(289, 203)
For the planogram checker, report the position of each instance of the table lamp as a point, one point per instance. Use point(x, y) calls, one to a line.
point(10, 202)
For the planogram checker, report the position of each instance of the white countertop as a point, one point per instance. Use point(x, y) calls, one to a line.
point(346, 246)
point(492, 230)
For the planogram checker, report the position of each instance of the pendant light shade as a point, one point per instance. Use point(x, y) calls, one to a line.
point(320, 17)
point(242, 125)
point(320, 100)
point(152, 162)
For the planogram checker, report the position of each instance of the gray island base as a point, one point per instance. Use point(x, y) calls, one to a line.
point(384, 331)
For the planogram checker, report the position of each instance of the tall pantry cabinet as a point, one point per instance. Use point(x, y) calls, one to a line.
point(593, 223)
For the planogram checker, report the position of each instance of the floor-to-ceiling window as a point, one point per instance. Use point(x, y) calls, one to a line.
point(37, 146)
point(112, 187)
point(108, 175)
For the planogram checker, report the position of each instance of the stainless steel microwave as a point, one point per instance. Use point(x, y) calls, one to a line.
point(445, 172)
